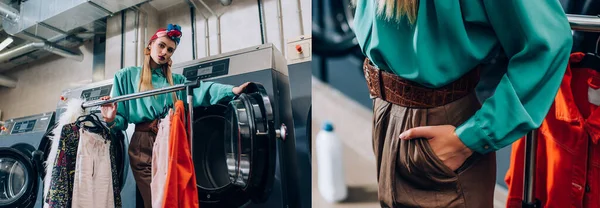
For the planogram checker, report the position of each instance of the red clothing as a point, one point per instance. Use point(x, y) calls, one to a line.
point(180, 187)
point(568, 155)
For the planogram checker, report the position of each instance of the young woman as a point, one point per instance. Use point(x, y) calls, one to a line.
point(144, 112)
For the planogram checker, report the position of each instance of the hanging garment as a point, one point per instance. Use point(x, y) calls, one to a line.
point(180, 187)
point(568, 154)
point(72, 112)
point(160, 160)
point(60, 191)
point(95, 174)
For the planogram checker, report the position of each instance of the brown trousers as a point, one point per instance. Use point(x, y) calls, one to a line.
point(409, 172)
point(140, 159)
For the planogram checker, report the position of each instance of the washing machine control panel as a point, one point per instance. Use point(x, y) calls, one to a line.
point(34, 123)
point(93, 91)
point(207, 70)
point(23, 126)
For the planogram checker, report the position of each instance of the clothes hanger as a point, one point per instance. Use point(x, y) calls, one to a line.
point(165, 111)
point(96, 125)
point(591, 60)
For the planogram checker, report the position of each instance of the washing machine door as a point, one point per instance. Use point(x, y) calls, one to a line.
point(18, 179)
point(234, 150)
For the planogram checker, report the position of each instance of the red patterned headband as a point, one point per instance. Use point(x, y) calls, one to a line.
point(172, 31)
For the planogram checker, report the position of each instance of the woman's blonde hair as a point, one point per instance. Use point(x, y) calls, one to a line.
point(145, 83)
point(396, 9)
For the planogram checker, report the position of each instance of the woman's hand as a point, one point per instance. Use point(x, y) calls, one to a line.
point(109, 111)
point(239, 89)
point(444, 143)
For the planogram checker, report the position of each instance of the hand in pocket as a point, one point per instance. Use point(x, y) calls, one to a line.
point(444, 143)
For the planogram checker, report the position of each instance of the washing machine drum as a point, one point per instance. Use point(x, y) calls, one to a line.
point(18, 178)
point(234, 150)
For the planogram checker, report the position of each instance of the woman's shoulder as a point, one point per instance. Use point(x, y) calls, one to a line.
point(178, 78)
point(129, 69)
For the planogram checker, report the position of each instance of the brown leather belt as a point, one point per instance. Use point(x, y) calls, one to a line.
point(149, 126)
point(402, 92)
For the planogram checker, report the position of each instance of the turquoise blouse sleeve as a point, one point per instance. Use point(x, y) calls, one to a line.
point(536, 37)
point(118, 89)
point(209, 93)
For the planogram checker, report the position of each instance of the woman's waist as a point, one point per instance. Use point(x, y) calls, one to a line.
point(414, 92)
point(147, 126)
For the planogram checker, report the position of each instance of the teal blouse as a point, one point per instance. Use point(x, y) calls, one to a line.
point(147, 108)
point(449, 38)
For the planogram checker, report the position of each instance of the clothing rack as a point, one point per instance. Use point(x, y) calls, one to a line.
point(186, 86)
point(584, 23)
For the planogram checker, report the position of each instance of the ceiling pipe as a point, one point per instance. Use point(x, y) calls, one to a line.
point(219, 35)
point(123, 22)
point(23, 49)
point(206, 31)
point(8, 12)
point(218, 25)
point(136, 38)
point(77, 55)
point(142, 40)
point(280, 18)
point(300, 17)
point(193, 24)
point(7, 82)
point(263, 24)
point(206, 36)
point(225, 2)
point(208, 8)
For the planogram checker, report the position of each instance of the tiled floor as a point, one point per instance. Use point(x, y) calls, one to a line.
point(352, 124)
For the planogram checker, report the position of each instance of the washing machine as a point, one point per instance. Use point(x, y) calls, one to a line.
point(94, 91)
point(21, 170)
point(244, 155)
point(299, 57)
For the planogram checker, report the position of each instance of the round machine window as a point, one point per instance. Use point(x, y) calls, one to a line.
point(13, 180)
point(232, 139)
point(208, 154)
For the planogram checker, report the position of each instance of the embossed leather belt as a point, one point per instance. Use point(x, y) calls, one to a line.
point(149, 126)
point(402, 92)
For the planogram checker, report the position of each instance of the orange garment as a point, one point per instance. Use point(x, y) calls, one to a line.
point(568, 154)
point(180, 187)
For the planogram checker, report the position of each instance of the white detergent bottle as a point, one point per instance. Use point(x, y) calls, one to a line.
point(330, 165)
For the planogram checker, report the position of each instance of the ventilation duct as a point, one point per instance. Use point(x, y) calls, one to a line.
point(6, 56)
point(8, 12)
point(225, 2)
point(7, 82)
point(52, 19)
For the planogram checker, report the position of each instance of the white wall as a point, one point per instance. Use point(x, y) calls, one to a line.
point(40, 84)
point(113, 39)
point(240, 28)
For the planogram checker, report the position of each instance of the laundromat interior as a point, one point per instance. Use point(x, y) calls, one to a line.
point(55, 51)
point(209, 103)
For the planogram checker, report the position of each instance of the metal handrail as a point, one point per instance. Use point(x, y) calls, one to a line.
point(584, 23)
point(187, 86)
point(148, 93)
